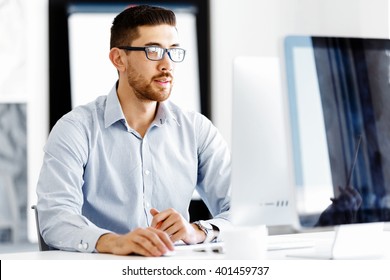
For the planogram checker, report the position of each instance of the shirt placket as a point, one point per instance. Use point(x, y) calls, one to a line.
point(147, 175)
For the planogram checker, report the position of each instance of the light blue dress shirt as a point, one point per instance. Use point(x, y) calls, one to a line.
point(99, 175)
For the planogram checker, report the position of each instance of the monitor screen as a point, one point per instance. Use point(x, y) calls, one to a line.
point(338, 96)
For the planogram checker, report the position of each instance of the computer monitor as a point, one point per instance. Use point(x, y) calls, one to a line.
point(338, 96)
point(262, 184)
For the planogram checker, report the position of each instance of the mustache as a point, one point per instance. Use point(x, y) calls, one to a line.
point(165, 75)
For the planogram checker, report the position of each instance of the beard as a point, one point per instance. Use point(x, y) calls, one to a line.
point(148, 90)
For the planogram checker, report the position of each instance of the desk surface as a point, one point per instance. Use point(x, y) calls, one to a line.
point(321, 240)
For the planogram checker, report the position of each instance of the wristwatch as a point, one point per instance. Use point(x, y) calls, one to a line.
point(208, 229)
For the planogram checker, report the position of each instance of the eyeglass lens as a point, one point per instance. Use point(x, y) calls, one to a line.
point(156, 53)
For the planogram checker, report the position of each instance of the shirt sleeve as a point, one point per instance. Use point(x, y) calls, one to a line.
point(59, 190)
point(214, 174)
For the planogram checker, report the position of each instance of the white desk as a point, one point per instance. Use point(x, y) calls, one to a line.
point(322, 240)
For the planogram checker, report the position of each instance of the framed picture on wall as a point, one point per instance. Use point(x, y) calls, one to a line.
point(13, 170)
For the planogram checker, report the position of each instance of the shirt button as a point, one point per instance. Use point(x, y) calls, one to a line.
point(147, 172)
point(83, 246)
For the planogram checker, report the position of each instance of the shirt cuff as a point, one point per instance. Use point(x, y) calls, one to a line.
point(222, 225)
point(90, 237)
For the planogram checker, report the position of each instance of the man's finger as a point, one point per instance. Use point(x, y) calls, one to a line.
point(155, 224)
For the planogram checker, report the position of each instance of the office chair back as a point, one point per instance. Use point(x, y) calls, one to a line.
point(42, 244)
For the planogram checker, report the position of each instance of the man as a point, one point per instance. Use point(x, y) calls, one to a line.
point(119, 173)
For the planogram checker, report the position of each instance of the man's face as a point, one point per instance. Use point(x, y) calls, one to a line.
point(152, 80)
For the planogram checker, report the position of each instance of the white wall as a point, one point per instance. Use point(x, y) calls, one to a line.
point(37, 85)
point(238, 26)
point(24, 79)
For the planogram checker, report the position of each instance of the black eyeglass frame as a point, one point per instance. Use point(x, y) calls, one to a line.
point(168, 51)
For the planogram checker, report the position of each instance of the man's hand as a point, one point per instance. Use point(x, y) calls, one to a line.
point(146, 242)
point(343, 209)
point(173, 223)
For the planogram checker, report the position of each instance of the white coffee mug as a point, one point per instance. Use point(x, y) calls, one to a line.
point(246, 242)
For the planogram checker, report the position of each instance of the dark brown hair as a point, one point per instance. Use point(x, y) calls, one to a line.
point(125, 25)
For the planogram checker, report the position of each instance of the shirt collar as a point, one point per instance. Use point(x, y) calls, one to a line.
point(113, 111)
point(164, 114)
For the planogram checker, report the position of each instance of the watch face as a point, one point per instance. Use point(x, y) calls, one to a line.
point(208, 230)
point(206, 225)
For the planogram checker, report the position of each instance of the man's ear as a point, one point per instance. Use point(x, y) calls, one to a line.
point(117, 59)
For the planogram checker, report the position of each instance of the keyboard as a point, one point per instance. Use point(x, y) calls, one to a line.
point(273, 245)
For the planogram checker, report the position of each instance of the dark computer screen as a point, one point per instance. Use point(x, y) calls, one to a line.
point(339, 95)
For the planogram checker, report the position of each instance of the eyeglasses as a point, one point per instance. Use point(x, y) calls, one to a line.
point(156, 53)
